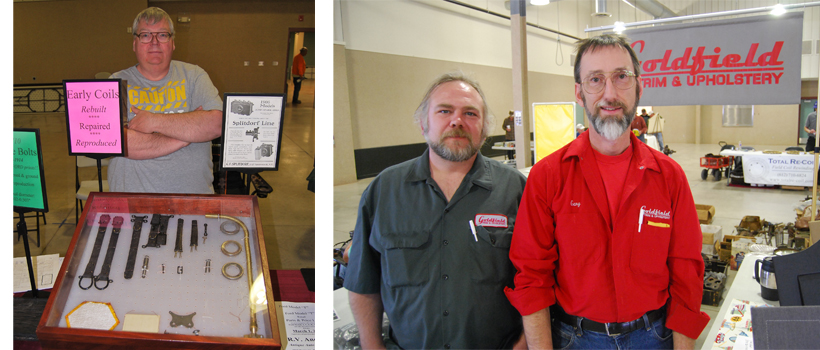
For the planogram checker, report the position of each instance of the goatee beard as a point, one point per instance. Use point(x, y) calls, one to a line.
point(455, 154)
point(611, 128)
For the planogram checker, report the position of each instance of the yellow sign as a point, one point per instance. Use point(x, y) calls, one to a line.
point(554, 127)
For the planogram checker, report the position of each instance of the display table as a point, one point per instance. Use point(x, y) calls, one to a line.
point(744, 287)
point(181, 291)
point(775, 169)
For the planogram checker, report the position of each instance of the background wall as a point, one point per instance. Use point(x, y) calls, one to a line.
point(393, 49)
point(56, 40)
point(384, 106)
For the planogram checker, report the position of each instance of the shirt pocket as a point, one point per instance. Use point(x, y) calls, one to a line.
point(651, 248)
point(405, 258)
point(492, 255)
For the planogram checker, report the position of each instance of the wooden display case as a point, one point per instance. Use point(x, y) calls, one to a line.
point(184, 285)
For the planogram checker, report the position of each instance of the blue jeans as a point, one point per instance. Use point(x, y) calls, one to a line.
point(657, 336)
point(659, 136)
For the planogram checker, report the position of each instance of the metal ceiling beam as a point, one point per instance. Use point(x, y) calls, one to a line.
point(654, 8)
point(705, 16)
point(476, 8)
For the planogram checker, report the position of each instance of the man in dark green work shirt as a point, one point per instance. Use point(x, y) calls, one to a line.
point(432, 238)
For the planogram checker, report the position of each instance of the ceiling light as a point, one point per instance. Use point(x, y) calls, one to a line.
point(778, 10)
point(539, 2)
point(619, 27)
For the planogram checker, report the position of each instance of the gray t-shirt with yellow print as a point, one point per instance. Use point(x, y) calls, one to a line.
point(188, 170)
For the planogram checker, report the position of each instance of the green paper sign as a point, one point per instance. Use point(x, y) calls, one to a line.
point(29, 185)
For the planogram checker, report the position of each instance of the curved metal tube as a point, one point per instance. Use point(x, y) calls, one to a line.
point(249, 268)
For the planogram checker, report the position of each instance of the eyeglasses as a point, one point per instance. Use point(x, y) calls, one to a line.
point(622, 79)
point(147, 37)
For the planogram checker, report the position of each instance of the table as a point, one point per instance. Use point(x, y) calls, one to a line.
point(744, 287)
point(509, 149)
point(775, 169)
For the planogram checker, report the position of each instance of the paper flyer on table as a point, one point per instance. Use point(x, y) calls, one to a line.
point(736, 326)
point(46, 268)
point(299, 324)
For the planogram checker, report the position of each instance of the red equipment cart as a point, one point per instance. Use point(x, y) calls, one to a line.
point(716, 163)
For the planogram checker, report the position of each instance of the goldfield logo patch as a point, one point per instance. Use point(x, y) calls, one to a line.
point(491, 220)
point(656, 214)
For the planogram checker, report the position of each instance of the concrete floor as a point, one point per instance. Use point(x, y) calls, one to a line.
point(287, 213)
point(731, 203)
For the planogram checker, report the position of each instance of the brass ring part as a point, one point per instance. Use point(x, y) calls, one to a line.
point(229, 232)
point(233, 253)
point(254, 326)
point(232, 277)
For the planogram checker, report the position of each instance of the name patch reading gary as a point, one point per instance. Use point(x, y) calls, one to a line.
point(491, 220)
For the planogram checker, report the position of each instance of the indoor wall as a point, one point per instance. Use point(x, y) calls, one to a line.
point(220, 37)
point(773, 125)
point(56, 40)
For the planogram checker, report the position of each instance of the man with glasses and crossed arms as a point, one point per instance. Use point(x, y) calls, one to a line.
point(607, 240)
point(174, 113)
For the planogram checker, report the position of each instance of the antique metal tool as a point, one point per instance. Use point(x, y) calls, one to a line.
point(194, 235)
point(182, 320)
point(249, 269)
point(159, 228)
point(135, 243)
point(95, 253)
point(144, 266)
point(178, 244)
point(109, 254)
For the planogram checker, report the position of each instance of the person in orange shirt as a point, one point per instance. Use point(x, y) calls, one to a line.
point(298, 72)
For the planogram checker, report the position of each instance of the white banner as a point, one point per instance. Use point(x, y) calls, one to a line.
point(741, 61)
point(778, 169)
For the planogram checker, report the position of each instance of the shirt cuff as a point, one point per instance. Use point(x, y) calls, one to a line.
point(684, 321)
point(529, 300)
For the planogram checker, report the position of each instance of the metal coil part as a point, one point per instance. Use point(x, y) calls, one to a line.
point(229, 276)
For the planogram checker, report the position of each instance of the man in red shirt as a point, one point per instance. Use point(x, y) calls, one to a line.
point(298, 72)
point(640, 125)
point(607, 241)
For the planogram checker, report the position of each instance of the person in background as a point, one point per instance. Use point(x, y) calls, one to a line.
point(298, 72)
point(811, 124)
point(509, 132)
point(639, 125)
point(607, 240)
point(658, 135)
point(431, 242)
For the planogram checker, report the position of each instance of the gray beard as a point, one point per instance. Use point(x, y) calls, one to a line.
point(453, 155)
point(612, 128)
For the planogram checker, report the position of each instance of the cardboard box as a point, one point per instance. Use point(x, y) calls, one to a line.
point(814, 227)
point(705, 213)
point(711, 233)
point(708, 249)
point(724, 250)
